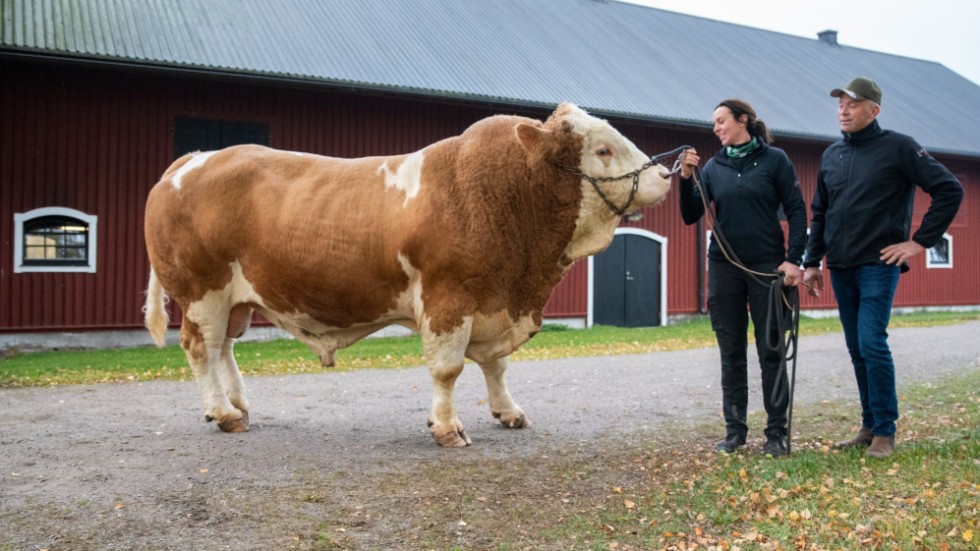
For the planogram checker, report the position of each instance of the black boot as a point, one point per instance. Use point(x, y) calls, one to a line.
point(775, 446)
point(731, 443)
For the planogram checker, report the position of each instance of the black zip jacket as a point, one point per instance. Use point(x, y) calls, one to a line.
point(863, 203)
point(747, 194)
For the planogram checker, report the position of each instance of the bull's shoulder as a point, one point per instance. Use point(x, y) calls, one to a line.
point(497, 124)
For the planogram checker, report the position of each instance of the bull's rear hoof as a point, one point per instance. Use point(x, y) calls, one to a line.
point(452, 439)
point(235, 425)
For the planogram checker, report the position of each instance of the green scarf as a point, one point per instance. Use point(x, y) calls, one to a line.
point(739, 151)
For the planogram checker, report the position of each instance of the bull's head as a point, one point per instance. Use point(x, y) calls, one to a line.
point(622, 177)
point(617, 178)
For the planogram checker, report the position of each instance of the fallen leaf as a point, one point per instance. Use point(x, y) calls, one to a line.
point(967, 535)
point(119, 505)
point(629, 504)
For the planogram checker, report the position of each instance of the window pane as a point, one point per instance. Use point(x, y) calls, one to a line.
point(55, 240)
point(939, 254)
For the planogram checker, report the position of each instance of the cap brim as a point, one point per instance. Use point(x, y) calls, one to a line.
point(838, 92)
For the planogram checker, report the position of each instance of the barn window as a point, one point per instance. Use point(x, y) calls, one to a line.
point(55, 239)
point(199, 134)
point(941, 255)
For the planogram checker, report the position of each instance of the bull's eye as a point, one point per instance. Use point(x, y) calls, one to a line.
point(603, 152)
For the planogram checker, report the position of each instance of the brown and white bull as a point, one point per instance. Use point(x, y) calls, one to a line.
point(462, 241)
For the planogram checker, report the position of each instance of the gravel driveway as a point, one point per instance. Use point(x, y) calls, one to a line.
point(74, 458)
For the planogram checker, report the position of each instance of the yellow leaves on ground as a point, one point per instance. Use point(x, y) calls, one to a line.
point(731, 502)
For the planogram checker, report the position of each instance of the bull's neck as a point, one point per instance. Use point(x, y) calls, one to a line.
point(594, 229)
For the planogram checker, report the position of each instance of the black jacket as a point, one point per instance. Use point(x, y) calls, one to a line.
point(747, 194)
point(863, 202)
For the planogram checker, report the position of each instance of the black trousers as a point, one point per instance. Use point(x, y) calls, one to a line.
point(730, 290)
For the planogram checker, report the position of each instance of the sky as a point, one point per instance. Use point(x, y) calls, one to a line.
point(945, 31)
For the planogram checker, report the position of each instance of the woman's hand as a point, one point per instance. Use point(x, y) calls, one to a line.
point(792, 276)
point(689, 160)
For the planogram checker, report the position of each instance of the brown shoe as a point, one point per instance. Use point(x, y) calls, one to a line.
point(881, 446)
point(862, 438)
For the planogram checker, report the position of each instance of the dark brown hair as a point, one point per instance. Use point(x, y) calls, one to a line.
point(755, 125)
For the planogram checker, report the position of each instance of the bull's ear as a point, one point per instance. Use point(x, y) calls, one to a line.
point(537, 141)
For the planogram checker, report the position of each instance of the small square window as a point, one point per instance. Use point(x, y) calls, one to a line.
point(941, 255)
point(54, 239)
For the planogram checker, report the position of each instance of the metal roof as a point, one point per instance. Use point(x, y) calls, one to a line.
point(612, 58)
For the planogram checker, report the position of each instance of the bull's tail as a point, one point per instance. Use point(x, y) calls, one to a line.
point(154, 313)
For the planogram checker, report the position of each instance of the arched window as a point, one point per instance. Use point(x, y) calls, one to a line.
point(55, 239)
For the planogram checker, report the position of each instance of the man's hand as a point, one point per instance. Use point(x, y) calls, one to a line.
point(899, 253)
point(791, 274)
point(813, 279)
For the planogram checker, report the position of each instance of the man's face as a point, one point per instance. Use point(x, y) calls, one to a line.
point(854, 115)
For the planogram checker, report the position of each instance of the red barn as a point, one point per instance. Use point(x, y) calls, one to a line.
point(98, 99)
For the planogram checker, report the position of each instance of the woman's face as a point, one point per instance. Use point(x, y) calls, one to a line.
point(729, 130)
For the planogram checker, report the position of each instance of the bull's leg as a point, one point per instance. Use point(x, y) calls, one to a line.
point(232, 381)
point(502, 405)
point(206, 362)
point(444, 355)
point(239, 319)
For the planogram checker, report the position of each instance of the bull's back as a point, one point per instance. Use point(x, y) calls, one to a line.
point(306, 231)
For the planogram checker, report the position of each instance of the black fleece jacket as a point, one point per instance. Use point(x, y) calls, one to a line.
point(863, 202)
point(747, 194)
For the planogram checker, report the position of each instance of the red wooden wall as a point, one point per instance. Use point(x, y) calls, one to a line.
point(96, 138)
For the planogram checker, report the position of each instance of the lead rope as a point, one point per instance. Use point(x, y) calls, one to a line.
point(787, 329)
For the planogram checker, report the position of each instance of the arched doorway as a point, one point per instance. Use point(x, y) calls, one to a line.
point(627, 283)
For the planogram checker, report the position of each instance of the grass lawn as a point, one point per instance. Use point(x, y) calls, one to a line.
point(287, 356)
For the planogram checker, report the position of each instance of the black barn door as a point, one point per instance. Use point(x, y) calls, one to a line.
point(627, 283)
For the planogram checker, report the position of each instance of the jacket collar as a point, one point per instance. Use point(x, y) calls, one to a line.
point(864, 134)
point(721, 157)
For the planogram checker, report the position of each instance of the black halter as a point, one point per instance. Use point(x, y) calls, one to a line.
point(620, 211)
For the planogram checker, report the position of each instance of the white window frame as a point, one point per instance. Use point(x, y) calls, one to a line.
point(942, 265)
point(21, 218)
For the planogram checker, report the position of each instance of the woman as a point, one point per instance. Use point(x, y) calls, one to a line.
point(747, 180)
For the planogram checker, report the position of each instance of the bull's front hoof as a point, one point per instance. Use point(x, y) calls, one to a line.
point(234, 425)
point(514, 421)
point(452, 438)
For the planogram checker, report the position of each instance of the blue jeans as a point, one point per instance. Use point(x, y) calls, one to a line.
point(864, 300)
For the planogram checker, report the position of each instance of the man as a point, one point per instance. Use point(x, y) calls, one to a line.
point(862, 212)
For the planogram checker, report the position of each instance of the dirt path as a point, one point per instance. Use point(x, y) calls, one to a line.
point(133, 466)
